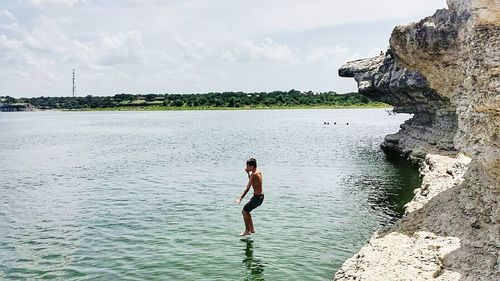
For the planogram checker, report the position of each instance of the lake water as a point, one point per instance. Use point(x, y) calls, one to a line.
point(149, 195)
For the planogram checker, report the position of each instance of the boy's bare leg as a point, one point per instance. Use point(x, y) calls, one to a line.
point(247, 224)
point(250, 223)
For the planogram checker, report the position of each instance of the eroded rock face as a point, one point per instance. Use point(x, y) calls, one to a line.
point(458, 51)
point(452, 60)
point(439, 173)
point(434, 123)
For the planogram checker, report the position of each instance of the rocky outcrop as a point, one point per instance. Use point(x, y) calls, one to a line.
point(434, 123)
point(410, 250)
point(439, 173)
point(401, 257)
point(445, 70)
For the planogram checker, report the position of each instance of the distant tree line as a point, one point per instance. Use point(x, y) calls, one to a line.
point(225, 99)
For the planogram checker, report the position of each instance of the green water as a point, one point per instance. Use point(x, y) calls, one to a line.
point(149, 195)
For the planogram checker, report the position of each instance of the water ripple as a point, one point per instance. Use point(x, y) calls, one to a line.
point(148, 195)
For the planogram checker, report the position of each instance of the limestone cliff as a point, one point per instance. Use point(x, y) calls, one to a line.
point(434, 122)
point(445, 70)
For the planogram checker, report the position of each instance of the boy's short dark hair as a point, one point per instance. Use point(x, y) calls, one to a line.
point(252, 162)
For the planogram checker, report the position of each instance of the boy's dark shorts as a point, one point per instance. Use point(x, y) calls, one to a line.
point(254, 202)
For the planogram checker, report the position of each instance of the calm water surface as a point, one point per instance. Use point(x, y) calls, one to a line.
point(149, 195)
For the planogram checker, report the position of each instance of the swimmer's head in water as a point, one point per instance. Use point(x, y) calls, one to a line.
point(252, 163)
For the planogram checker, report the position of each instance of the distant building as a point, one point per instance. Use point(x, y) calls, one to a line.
point(9, 107)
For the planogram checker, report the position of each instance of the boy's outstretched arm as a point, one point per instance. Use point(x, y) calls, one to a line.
point(249, 184)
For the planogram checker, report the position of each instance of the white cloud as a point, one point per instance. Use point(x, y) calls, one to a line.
point(123, 48)
point(5, 13)
point(46, 35)
point(321, 53)
point(47, 38)
point(230, 19)
point(265, 51)
point(191, 50)
point(192, 44)
point(46, 53)
point(11, 50)
point(64, 3)
point(19, 62)
point(8, 21)
point(7, 44)
point(17, 73)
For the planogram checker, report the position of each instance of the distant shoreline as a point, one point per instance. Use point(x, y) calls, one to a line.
point(208, 101)
point(195, 108)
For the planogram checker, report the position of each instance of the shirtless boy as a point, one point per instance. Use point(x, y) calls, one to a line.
point(255, 181)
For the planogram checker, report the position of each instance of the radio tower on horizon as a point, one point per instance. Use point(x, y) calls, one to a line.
point(74, 85)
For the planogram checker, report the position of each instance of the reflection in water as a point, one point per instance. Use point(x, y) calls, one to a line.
point(406, 176)
point(255, 266)
point(388, 187)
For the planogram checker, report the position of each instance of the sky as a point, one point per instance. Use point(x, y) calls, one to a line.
point(191, 46)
